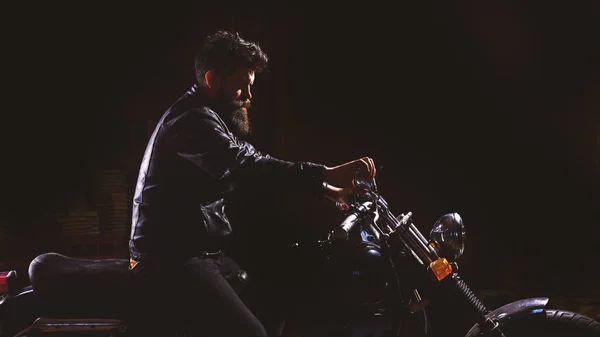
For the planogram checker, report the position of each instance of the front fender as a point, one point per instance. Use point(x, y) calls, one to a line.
point(518, 309)
point(513, 311)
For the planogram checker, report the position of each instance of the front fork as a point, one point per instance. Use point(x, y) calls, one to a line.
point(488, 326)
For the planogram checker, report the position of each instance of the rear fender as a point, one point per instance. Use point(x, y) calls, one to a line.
point(17, 312)
point(22, 313)
point(22, 300)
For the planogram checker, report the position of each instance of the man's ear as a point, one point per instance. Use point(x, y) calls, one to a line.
point(211, 79)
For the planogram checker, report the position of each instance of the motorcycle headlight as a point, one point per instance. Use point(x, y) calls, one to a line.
point(448, 234)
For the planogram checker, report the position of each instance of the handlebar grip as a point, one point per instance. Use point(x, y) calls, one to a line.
point(341, 232)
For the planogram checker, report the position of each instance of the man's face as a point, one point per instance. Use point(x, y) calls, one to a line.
point(233, 95)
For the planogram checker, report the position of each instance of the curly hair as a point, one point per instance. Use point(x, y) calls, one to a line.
point(223, 51)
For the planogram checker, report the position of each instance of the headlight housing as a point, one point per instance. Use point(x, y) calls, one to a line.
point(448, 234)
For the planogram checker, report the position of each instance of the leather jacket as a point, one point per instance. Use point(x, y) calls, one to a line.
point(192, 163)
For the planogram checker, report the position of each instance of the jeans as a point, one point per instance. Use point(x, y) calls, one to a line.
point(195, 291)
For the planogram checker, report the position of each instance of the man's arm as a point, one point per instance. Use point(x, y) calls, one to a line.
point(199, 137)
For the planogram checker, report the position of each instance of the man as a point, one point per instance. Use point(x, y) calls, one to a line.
point(193, 163)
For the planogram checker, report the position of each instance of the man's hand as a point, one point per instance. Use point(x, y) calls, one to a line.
point(339, 196)
point(340, 179)
point(344, 174)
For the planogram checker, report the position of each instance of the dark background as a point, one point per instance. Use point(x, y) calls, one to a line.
point(489, 110)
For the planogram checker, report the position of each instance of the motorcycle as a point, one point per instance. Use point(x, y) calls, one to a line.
point(373, 275)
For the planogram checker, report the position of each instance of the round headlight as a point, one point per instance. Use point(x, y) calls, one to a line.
point(448, 233)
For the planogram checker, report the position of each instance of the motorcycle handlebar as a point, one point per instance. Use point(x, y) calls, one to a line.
point(341, 232)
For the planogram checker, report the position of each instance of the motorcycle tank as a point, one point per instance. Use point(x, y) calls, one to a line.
point(345, 274)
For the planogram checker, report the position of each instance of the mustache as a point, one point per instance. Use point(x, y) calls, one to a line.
point(241, 104)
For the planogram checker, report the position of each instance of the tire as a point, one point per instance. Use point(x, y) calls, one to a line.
point(555, 323)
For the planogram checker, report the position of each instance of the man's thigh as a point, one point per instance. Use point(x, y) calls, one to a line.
point(221, 311)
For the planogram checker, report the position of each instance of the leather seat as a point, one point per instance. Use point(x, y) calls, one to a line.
point(56, 274)
point(82, 287)
point(91, 288)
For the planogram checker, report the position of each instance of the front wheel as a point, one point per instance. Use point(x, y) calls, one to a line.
point(551, 323)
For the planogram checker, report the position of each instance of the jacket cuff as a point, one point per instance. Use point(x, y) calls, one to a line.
point(313, 177)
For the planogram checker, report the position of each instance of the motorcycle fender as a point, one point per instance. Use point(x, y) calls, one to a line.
point(20, 300)
point(518, 309)
point(17, 312)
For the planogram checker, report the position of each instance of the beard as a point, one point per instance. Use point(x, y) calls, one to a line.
point(240, 120)
point(235, 114)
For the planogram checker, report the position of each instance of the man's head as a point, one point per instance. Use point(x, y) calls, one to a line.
point(225, 69)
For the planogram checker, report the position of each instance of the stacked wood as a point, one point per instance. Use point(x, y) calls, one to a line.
point(6, 238)
point(109, 193)
point(99, 247)
point(79, 223)
point(5, 232)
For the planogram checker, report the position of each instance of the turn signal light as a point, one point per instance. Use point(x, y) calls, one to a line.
point(440, 268)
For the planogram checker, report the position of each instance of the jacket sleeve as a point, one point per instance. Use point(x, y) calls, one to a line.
point(200, 138)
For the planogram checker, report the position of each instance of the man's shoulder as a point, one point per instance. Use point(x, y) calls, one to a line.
point(195, 115)
point(189, 109)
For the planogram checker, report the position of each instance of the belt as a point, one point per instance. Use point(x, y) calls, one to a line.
point(212, 255)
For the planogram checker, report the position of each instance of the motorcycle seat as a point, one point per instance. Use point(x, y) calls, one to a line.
point(53, 274)
point(92, 288)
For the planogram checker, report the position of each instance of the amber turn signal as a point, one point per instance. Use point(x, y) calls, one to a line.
point(440, 268)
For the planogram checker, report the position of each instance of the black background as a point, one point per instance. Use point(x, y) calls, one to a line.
point(489, 110)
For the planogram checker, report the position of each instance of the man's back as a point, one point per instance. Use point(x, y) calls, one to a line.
point(166, 215)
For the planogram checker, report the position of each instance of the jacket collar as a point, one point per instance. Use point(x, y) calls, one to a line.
point(194, 90)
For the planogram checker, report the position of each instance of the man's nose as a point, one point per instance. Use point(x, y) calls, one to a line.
point(247, 94)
